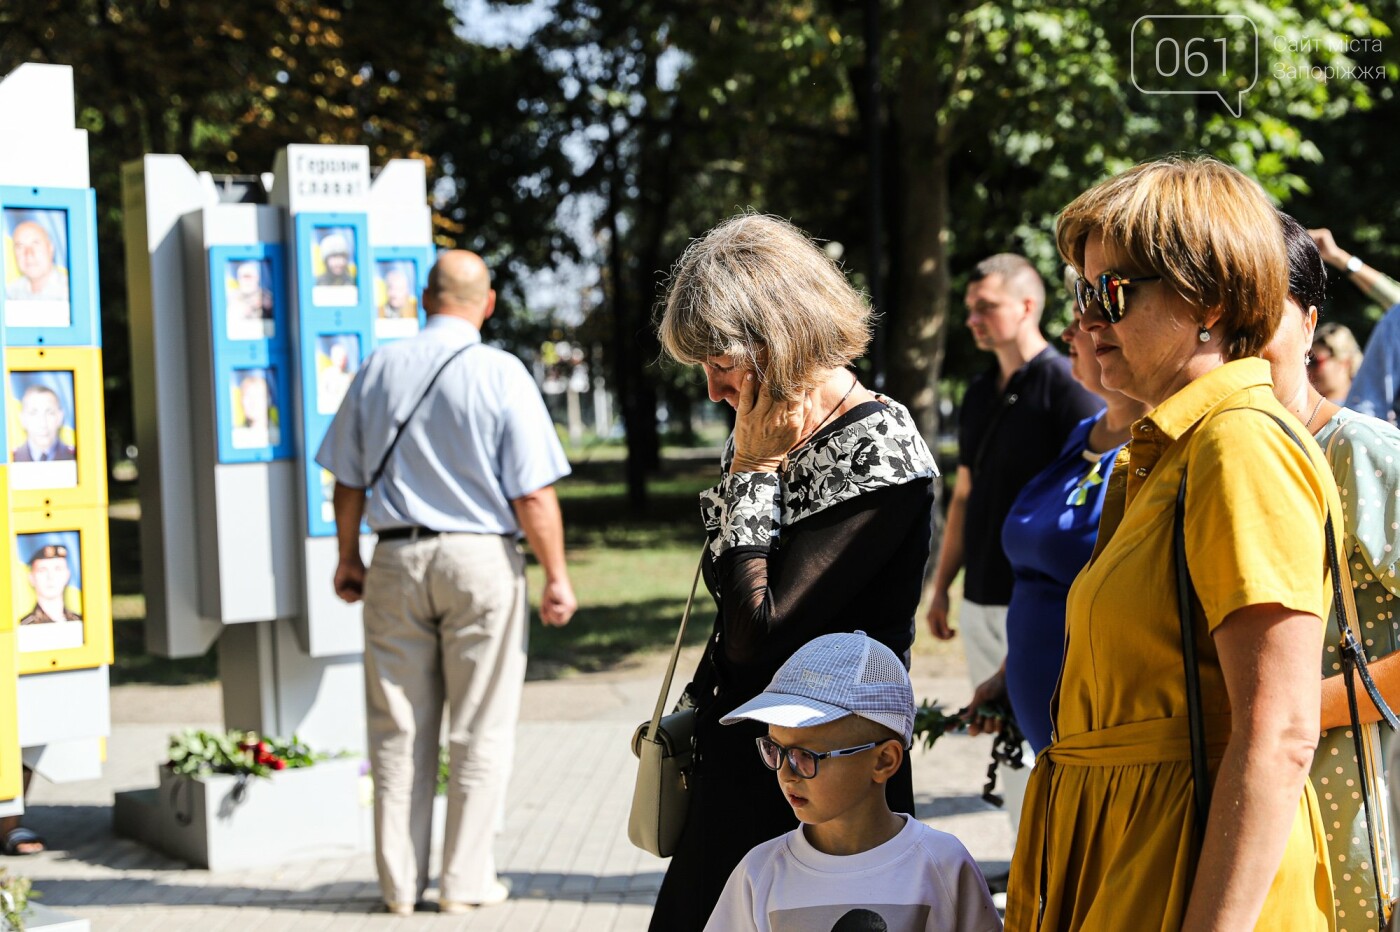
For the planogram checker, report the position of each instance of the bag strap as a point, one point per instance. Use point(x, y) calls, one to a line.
point(1353, 658)
point(1200, 773)
point(654, 728)
point(1351, 650)
point(1354, 663)
point(398, 428)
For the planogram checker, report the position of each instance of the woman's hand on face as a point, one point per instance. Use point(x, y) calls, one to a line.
point(766, 428)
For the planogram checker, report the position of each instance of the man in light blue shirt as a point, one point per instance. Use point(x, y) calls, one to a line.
point(444, 446)
point(1374, 390)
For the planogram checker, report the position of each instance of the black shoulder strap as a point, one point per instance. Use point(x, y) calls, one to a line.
point(398, 428)
point(1200, 773)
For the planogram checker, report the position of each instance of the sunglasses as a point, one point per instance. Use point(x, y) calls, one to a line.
point(1110, 297)
point(802, 761)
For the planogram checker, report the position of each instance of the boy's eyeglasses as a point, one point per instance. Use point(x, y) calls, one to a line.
point(1110, 297)
point(802, 761)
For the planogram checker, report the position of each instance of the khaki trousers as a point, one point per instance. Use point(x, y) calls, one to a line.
point(445, 624)
point(983, 630)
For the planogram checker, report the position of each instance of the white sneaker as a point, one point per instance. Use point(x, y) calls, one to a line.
point(498, 893)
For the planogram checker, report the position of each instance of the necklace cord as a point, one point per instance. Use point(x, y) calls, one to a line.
point(813, 432)
point(1316, 408)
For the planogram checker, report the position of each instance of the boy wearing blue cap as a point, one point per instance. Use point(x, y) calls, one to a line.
point(840, 715)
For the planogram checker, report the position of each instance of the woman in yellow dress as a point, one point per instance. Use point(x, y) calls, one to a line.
point(1184, 280)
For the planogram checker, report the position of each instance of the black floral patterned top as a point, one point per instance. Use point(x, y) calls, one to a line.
point(836, 543)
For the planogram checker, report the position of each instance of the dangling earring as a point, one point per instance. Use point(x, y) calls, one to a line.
point(1204, 335)
point(1307, 359)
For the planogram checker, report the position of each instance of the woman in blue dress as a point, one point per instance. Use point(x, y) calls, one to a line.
point(1048, 537)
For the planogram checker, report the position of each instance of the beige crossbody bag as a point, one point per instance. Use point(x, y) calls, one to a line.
point(665, 748)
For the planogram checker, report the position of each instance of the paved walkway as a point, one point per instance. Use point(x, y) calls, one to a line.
point(564, 848)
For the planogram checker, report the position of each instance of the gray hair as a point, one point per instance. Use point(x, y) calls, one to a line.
point(757, 288)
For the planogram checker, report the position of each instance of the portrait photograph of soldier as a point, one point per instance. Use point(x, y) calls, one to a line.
point(52, 574)
point(333, 264)
point(250, 307)
point(37, 291)
point(42, 430)
point(337, 361)
point(395, 298)
point(254, 409)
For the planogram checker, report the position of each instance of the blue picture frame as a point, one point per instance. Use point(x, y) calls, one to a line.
point(246, 351)
point(320, 321)
point(37, 208)
point(421, 259)
point(311, 230)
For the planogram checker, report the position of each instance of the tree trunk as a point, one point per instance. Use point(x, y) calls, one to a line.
point(682, 424)
point(636, 412)
point(919, 328)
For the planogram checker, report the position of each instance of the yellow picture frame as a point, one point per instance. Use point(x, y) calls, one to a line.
point(11, 766)
point(56, 377)
point(41, 547)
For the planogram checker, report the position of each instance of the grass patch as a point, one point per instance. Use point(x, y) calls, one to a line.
point(630, 602)
point(631, 573)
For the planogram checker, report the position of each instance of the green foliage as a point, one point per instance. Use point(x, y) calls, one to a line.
point(196, 751)
point(998, 114)
point(598, 145)
point(932, 723)
point(15, 894)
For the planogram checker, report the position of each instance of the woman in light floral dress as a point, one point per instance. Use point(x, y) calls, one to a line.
point(1364, 454)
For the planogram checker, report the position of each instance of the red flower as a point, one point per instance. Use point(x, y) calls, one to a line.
point(278, 763)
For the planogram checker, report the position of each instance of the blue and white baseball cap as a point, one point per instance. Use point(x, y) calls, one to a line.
point(831, 677)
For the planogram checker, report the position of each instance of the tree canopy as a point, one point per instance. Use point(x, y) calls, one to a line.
point(607, 135)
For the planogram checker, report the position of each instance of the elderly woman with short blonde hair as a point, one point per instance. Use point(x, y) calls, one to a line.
point(1184, 278)
point(820, 524)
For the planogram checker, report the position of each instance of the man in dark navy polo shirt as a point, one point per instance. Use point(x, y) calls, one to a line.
point(1015, 418)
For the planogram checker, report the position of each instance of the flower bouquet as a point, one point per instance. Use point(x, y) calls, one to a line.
point(197, 752)
point(15, 894)
point(931, 723)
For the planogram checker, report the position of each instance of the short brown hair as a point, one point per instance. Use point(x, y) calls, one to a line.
point(757, 283)
point(1208, 230)
point(1017, 276)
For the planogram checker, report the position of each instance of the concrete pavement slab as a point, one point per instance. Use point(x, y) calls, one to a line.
point(564, 847)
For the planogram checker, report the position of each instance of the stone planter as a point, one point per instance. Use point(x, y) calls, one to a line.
point(293, 815)
point(40, 918)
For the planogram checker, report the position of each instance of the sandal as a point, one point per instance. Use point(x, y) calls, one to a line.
point(16, 837)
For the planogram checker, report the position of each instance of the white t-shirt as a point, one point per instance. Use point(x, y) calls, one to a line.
point(921, 880)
